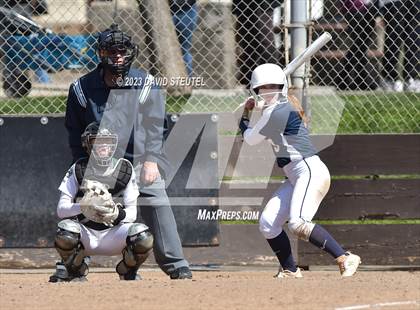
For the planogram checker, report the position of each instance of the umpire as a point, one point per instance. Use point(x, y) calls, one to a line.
point(90, 99)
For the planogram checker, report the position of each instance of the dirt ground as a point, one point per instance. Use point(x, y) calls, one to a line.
point(214, 290)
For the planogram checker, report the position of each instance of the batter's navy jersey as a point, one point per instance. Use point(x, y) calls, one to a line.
point(282, 125)
point(88, 99)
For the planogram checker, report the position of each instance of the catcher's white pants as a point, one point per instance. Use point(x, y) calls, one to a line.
point(298, 197)
point(104, 242)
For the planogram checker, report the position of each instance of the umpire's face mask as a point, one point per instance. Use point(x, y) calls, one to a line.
point(118, 58)
point(115, 55)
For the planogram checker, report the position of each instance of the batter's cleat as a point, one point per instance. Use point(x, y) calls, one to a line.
point(181, 273)
point(289, 274)
point(61, 275)
point(348, 264)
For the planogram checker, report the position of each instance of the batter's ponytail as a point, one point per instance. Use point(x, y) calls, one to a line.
point(298, 107)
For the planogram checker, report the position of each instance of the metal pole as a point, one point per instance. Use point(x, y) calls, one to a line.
point(286, 32)
point(114, 17)
point(298, 19)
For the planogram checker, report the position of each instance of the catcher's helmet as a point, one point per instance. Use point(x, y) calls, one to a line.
point(116, 50)
point(268, 74)
point(99, 142)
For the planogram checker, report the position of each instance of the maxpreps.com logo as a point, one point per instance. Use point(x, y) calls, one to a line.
point(216, 215)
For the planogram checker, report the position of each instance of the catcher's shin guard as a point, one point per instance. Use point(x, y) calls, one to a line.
point(68, 245)
point(139, 246)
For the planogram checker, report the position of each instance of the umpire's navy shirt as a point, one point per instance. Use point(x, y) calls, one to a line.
point(87, 100)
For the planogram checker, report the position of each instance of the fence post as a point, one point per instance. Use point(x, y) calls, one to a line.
point(298, 33)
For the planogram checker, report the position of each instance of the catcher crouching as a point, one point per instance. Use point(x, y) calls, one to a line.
point(98, 207)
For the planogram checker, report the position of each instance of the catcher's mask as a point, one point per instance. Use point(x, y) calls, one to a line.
point(268, 85)
point(116, 50)
point(100, 143)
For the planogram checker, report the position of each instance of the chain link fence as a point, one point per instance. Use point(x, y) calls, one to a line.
point(371, 65)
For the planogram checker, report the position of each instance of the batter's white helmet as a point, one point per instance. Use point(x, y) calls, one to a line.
point(267, 74)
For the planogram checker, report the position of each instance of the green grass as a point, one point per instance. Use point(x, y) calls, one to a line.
point(57, 104)
point(256, 179)
point(369, 222)
point(339, 222)
point(384, 113)
point(33, 105)
point(377, 177)
point(238, 222)
point(359, 113)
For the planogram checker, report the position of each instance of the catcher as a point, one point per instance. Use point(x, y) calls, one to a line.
point(98, 205)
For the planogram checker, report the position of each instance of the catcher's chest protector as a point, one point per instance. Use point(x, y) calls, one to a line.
point(117, 180)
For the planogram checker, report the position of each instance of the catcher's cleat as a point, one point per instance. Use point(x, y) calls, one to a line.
point(62, 275)
point(126, 273)
point(131, 277)
point(181, 273)
point(55, 279)
point(289, 274)
point(348, 264)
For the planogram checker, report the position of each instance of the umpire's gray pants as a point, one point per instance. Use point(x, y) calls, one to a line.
point(156, 212)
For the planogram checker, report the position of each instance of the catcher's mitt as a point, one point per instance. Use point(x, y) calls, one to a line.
point(97, 204)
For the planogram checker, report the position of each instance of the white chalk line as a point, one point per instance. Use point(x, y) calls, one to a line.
point(382, 304)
